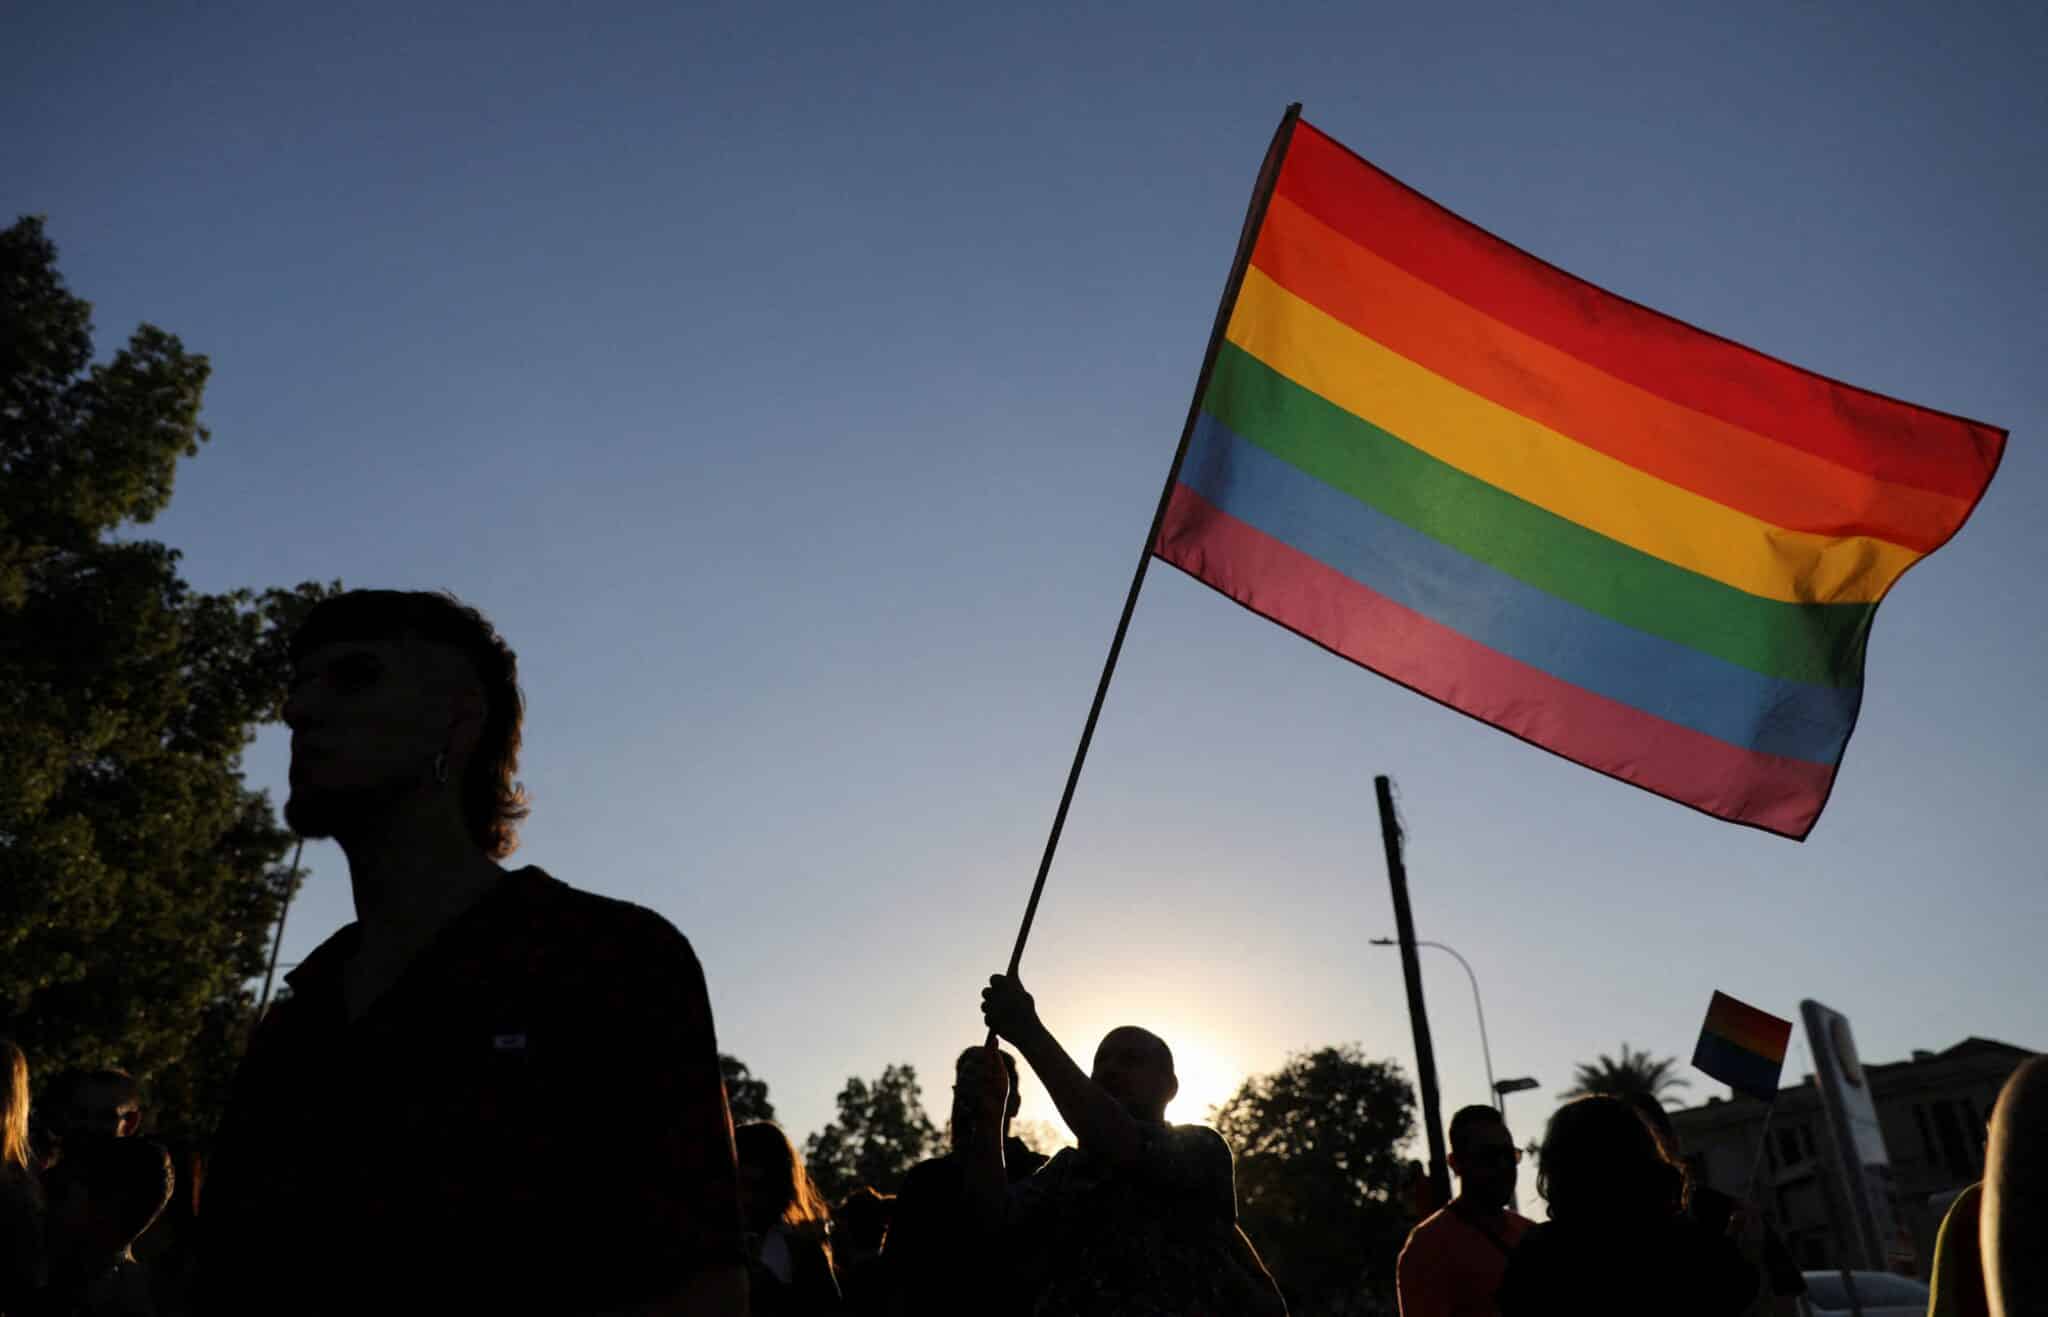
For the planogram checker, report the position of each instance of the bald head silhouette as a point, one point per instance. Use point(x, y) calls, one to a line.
point(1135, 1066)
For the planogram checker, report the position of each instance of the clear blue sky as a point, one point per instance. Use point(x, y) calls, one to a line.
point(793, 385)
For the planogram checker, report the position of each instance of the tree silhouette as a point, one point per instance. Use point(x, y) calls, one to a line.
point(1319, 1175)
point(746, 1095)
point(139, 876)
point(882, 1131)
point(1635, 1072)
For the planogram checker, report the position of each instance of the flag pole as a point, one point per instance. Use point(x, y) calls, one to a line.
point(1255, 215)
point(1763, 1141)
point(284, 908)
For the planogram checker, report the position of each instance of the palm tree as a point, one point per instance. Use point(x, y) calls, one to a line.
point(1634, 1073)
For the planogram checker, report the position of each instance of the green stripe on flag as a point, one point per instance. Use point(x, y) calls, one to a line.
point(1821, 644)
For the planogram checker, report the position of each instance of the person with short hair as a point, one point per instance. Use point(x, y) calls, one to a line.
point(106, 1102)
point(492, 1092)
point(1617, 1241)
point(1139, 1220)
point(106, 1193)
point(932, 1251)
point(1453, 1262)
point(860, 1230)
point(788, 1227)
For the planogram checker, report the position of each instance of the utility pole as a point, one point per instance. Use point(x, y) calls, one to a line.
point(1418, 1016)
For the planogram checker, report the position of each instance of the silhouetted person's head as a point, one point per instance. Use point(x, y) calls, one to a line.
point(860, 1224)
point(1135, 1066)
point(105, 1194)
point(86, 1103)
point(403, 703)
point(963, 1099)
point(1600, 1162)
point(1659, 1120)
point(774, 1187)
point(1484, 1155)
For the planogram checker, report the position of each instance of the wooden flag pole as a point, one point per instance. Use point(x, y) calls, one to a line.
point(1255, 215)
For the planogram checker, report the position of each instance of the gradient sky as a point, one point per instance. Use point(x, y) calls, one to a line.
point(793, 385)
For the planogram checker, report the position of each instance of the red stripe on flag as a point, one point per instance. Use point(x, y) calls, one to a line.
point(1863, 431)
point(1746, 1026)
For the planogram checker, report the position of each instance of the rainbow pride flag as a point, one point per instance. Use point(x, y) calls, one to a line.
point(1742, 1046)
point(1625, 540)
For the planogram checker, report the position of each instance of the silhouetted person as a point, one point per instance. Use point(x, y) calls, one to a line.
point(2015, 1210)
point(492, 1092)
point(934, 1251)
point(860, 1230)
point(21, 1197)
point(103, 1196)
point(1955, 1281)
point(170, 1248)
point(787, 1221)
point(106, 1103)
point(79, 1103)
point(1453, 1262)
point(1781, 1281)
point(1141, 1218)
point(1616, 1241)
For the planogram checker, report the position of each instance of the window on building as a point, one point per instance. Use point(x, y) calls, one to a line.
point(1788, 1145)
point(1926, 1133)
point(1948, 1127)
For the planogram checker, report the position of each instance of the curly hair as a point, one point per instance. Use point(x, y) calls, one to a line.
point(1601, 1160)
point(493, 804)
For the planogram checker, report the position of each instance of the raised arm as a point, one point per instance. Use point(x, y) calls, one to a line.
point(978, 1134)
point(1099, 1122)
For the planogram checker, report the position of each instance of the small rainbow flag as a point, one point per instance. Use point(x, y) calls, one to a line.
point(1742, 1046)
point(1632, 543)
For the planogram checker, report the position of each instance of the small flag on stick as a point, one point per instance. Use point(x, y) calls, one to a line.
point(1742, 1047)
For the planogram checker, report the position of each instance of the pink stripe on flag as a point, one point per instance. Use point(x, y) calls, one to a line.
point(1279, 582)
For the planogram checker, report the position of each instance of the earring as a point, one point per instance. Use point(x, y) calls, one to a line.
point(441, 768)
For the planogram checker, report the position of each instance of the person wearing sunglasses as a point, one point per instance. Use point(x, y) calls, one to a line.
point(1453, 1262)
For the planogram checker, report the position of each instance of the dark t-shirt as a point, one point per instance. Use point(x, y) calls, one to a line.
point(790, 1275)
point(1155, 1238)
point(21, 1237)
point(1670, 1266)
point(932, 1256)
point(530, 1119)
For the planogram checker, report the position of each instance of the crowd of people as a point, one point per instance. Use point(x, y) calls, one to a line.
point(495, 1092)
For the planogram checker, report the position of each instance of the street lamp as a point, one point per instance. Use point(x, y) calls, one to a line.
point(1484, 1050)
point(1500, 1100)
point(1507, 1086)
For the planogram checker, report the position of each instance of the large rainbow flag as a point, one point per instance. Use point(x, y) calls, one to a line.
point(1630, 542)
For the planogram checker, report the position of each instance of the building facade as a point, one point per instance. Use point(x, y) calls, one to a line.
point(1935, 1110)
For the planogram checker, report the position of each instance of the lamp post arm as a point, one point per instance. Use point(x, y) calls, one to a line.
point(1480, 1007)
